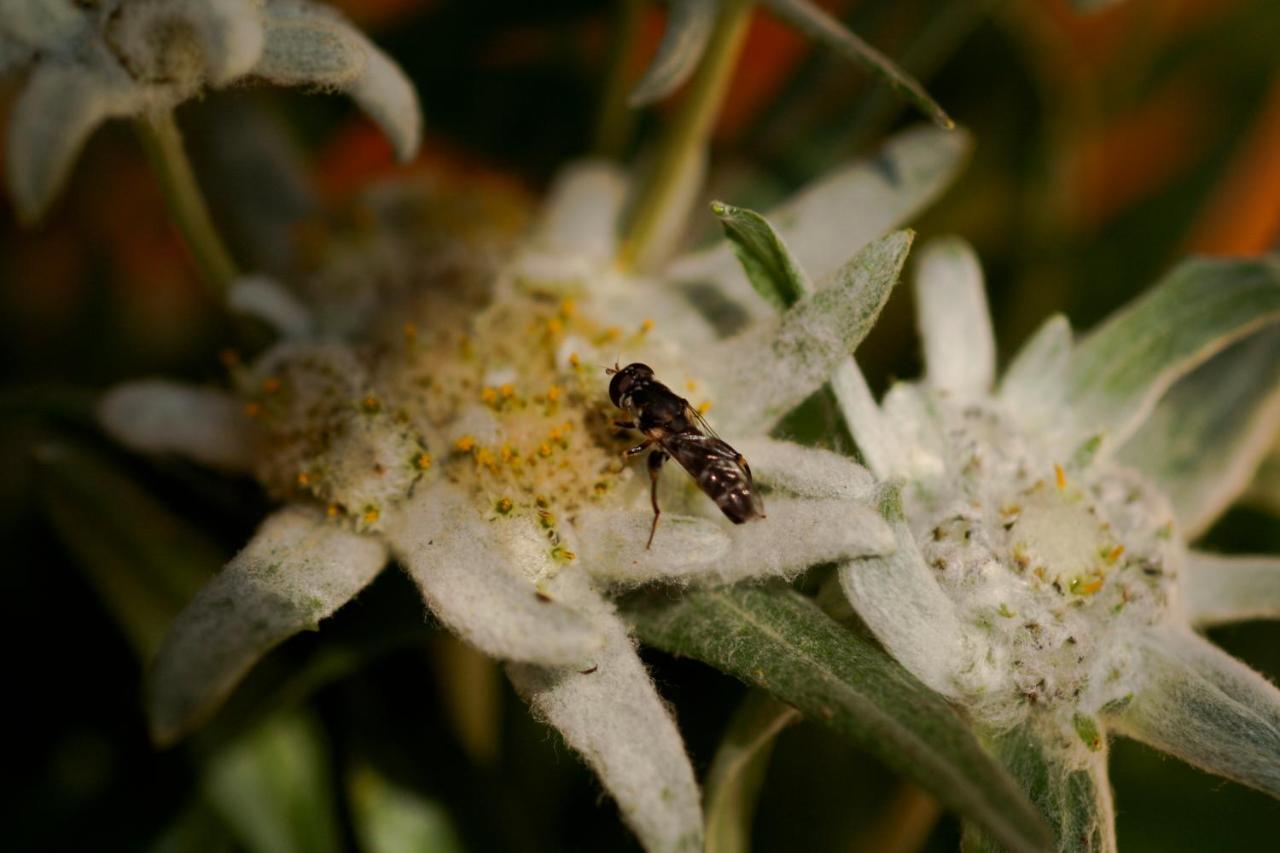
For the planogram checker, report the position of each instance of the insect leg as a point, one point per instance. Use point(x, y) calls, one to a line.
point(656, 458)
point(639, 448)
point(625, 424)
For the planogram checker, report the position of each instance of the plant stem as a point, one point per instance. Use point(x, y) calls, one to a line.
point(686, 137)
point(162, 142)
point(613, 127)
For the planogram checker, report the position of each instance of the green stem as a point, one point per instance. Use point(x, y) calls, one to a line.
point(162, 142)
point(686, 137)
point(613, 128)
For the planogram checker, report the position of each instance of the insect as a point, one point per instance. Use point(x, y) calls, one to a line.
point(678, 431)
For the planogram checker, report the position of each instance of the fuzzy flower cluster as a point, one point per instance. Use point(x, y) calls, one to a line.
point(463, 429)
point(94, 60)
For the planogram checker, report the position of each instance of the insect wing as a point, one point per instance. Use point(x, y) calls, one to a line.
point(694, 416)
point(719, 471)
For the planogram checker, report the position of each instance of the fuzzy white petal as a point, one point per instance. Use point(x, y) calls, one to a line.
point(162, 417)
point(1032, 386)
point(298, 569)
point(265, 298)
point(1207, 708)
point(955, 325)
point(903, 605)
point(187, 42)
point(827, 222)
point(609, 711)
point(767, 370)
point(689, 24)
point(469, 572)
point(611, 544)
point(60, 107)
point(806, 472)
point(580, 217)
point(1221, 588)
point(878, 443)
point(1207, 436)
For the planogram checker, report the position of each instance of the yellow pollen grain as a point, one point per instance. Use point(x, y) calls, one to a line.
point(704, 407)
point(485, 457)
point(507, 390)
point(690, 386)
point(1112, 555)
point(370, 515)
point(1060, 476)
point(489, 394)
point(270, 385)
point(554, 327)
point(574, 360)
point(646, 327)
point(507, 453)
point(553, 393)
point(544, 450)
point(304, 479)
point(547, 518)
point(1082, 587)
point(423, 461)
point(370, 404)
point(503, 505)
point(332, 510)
point(611, 334)
point(465, 444)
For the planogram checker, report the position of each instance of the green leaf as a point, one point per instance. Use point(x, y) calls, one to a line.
point(1119, 372)
point(273, 788)
point(766, 371)
point(1074, 795)
point(764, 257)
point(1207, 436)
point(780, 641)
point(821, 27)
point(689, 25)
point(144, 561)
point(738, 769)
point(392, 819)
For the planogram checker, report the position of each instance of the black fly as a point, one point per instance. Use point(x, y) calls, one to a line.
point(668, 421)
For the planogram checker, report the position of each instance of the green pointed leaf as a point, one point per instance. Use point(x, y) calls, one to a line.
point(738, 770)
point(273, 788)
point(144, 561)
point(1073, 794)
point(821, 27)
point(764, 257)
point(392, 819)
point(769, 369)
point(782, 642)
point(1119, 372)
point(1208, 435)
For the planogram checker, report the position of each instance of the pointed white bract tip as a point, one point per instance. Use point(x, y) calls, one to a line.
point(160, 417)
point(493, 581)
point(609, 711)
point(1033, 384)
point(955, 325)
point(611, 545)
point(59, 108)
point(807, 472)
point(299, 568)
point(689, 24)
point(265, 298)
point(580, 216)
point(385, 93)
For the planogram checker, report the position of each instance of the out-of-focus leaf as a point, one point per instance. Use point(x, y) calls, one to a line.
point(737, 771)
point(273, 787)
point(392, 819)
point(1264, 492)
point(1075, 799)
point(818, 25)
point(197, 829)
point(144, 561)
point(782, 642)
point(689, 24)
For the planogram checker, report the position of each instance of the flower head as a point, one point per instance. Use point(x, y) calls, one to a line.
point(1042, 578)
point(465, 430)
point(115, 58)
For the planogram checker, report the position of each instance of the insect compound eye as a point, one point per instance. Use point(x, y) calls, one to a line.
point(622, 381)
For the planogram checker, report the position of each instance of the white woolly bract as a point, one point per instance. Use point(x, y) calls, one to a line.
point(298, 568)
point(609, 711)
point(951, 302)
point(162, 418)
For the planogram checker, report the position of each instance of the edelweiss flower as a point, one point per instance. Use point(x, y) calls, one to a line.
point(468, 436)
point(1042, 578)
point(91, 61)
